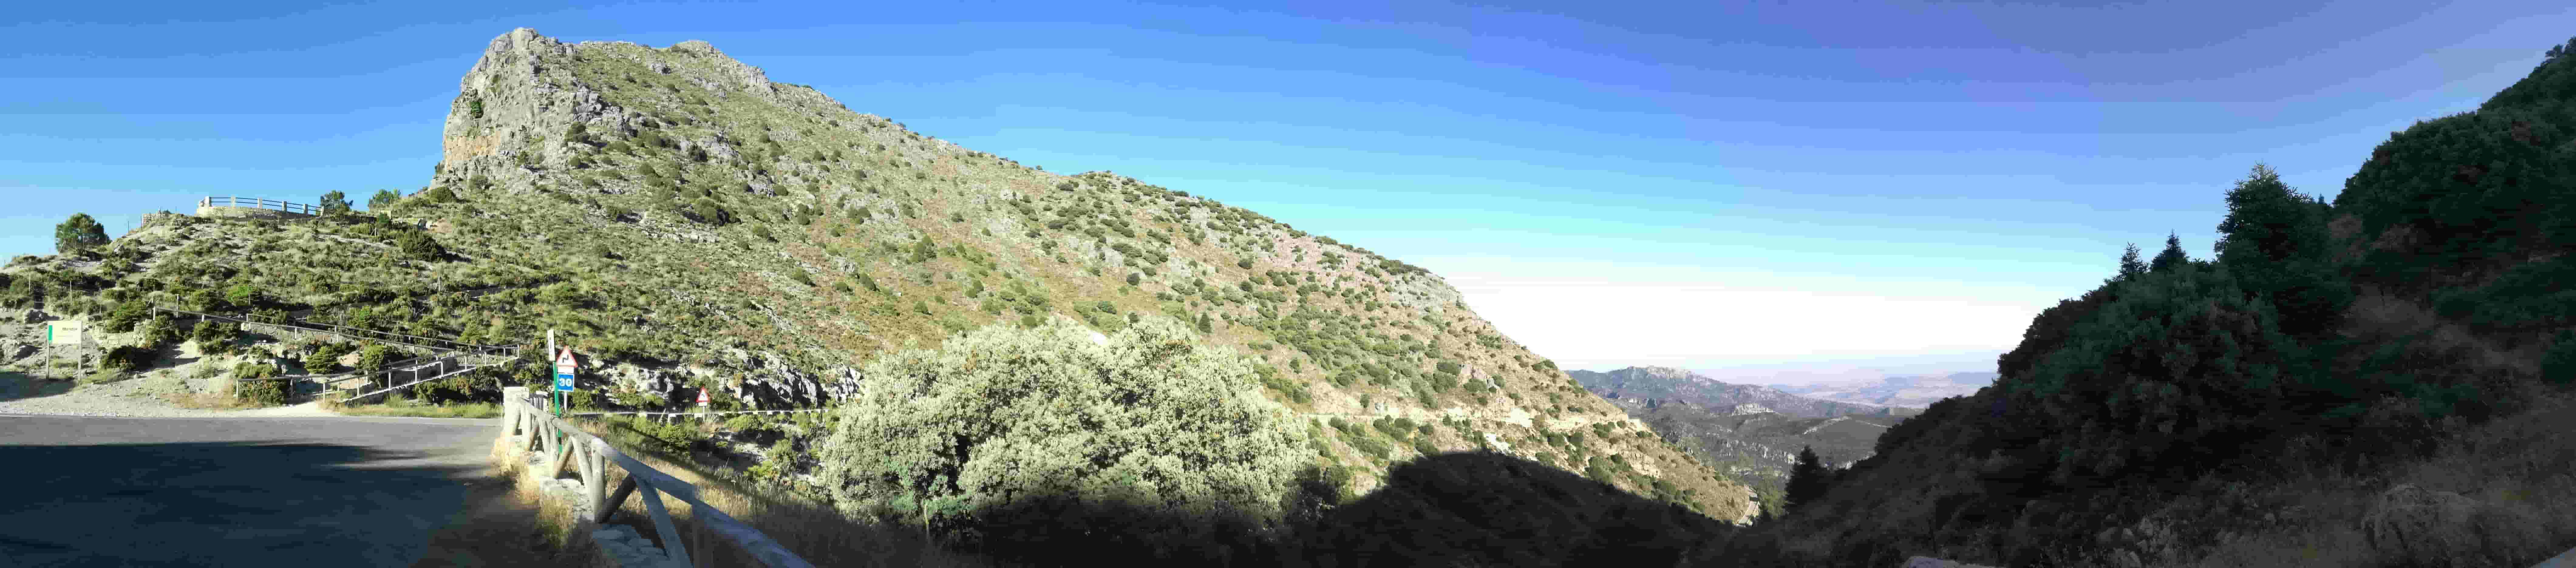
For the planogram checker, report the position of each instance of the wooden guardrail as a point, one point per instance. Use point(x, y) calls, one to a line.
point(524, 417)
point(259, 203)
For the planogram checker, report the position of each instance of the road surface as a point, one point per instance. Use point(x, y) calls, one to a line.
point(265, 492)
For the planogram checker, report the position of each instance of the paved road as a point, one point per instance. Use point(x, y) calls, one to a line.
point(264, 492)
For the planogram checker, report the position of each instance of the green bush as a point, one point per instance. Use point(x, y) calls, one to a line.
point(1002, 436)
point(373, 357)
point(324, 357)
point(2558, 366)
point(248, 387)
point(126, 315)
point(126, 358)
point(417, 245)
point(161, 332)
point(214, 336)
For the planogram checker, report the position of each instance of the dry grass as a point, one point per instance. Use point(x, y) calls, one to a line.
point(217, 396)
point(456, 410)
point(2520, 469)
point(504, 523)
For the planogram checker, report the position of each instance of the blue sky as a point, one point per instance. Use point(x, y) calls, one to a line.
point(1788, 186)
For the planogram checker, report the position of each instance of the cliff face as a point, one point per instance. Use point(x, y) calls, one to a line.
point(762, 239)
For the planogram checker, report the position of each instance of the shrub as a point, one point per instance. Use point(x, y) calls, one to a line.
point(248, 388)
point(214, 336)
point(160, 332)
point(324, 357)
point(373, 357)
point(126, 358)
point(437, 195)
point(2558, 366)
point(126, 315)
point(998, 437)
point(417, 245)
point(801, 277)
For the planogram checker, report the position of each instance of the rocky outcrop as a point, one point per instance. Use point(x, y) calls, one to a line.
point(2408, 522)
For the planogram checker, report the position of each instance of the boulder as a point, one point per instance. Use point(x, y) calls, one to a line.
point(2410, 522)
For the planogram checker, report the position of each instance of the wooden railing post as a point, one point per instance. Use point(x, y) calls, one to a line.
point(662, 525)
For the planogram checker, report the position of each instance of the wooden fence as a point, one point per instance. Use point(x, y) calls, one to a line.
point(525, 419)
point(258, 203)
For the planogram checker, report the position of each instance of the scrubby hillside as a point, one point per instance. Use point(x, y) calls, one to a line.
point(2249, 408)
point(1756, 445)
point(685, 222)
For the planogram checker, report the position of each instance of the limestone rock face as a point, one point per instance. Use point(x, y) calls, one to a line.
point(2412, 522)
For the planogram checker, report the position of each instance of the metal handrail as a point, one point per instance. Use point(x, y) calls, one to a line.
point(523, 418)
point(260, 203)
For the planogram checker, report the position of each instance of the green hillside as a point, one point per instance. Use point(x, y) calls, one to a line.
point(685, 223)
point(2415, 330)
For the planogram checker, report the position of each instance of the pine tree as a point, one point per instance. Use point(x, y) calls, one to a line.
point(2130, 267)
point(335, 203)
point(2274, 240)
point(2171, 258)
point(382, 198)
point(78, 233)
point(1807, 479)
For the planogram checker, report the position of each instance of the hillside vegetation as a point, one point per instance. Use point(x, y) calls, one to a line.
point(2416, 330)
point(685, 223)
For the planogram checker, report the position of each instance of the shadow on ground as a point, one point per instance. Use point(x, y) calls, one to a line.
point(16, 385)
point(82, 498)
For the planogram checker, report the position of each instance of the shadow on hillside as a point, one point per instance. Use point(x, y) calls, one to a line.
point(1460, 509)
point(248, 503)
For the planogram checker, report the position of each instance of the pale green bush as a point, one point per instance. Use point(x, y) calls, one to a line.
point(1031, 435)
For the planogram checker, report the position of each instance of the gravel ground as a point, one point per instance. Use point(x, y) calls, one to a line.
point(140, 397)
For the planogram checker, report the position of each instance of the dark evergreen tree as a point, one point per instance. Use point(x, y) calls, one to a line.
point(2130, 267)
point(383, 197)
point(2274, 242)
point(1807, 479)
point(2171, 258)
point(78, 233)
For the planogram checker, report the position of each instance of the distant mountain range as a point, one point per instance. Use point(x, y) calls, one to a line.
point(1903, 392)
point(1670, 384)
point(1752, 433)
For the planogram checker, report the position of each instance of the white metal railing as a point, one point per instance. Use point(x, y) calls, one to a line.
point(524, 417)
point(259, 203)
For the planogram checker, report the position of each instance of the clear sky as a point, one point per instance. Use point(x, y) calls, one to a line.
point(1772, 187)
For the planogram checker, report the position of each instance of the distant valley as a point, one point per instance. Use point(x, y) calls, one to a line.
point(1903, 392)
point(1750, 432)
